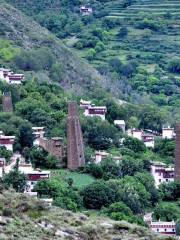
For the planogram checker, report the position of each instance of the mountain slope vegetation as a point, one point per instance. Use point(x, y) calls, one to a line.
point(26, 35)
point(134, 43)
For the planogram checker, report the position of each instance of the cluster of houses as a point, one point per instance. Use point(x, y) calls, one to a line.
point(33, 175)
point(10, 77)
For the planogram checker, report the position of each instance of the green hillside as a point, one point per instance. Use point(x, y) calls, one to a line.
point(134, 44)
point(26, 36)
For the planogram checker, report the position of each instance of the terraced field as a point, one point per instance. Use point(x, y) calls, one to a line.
point(145, 44)
point(148, 8)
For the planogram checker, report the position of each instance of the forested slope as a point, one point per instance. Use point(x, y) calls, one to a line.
point(132, 42)
point(25, 36)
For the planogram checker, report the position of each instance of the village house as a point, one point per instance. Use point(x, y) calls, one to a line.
point(90, 110)
point(165, 228)
point(102, 155)
point(86, 10)
point(121, 124)
point(96, 111)
point(162, 173)
point(147, 138)
point(7, 142)
point(33, 176)
point(10, 77)
point(38, 133)
point(168, 133)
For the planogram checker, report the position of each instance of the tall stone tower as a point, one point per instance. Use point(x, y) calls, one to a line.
point(177, 161)
point(75, 148)
point(7, 102)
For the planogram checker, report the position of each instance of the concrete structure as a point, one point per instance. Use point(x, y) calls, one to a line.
point(162, 173)
point(86, 10)
point(168, 133)
point(177, 154)
point(165, 228)
point(38, 133)
point(121, 124)
point(96, 111)
point(7, 142)
point(10, 77)
point(7, 102)
point(53, 146)
point(75, 148)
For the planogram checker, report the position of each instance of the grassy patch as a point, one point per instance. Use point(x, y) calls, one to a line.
point(80, 180)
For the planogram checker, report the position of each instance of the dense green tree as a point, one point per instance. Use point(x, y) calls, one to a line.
point(167, 211)
point(25, 137)
point(97, 194)
point(15, 179)
point(134, 144)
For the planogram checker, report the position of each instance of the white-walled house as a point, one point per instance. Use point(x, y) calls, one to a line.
point(136, 133)
point(168, 133)
point(149, 140)
point(121, 124)
point(162, 173)
point(102, 155)
point(96, 111)
point(165, 228)
point(86, 10)
point(10, 77)
point(33, 176)
point(7, 142)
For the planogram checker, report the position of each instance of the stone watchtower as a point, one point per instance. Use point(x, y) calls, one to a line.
point(75, 148)
point(177, 161)
point(7, 102)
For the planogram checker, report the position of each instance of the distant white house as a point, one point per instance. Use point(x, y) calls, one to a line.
point(10, 77)
point(165, 228)
point(86, 10)
point(7, 142)
point(33, 176)
point(96, 111)
point(162, 173)
point(121, 124)
point(168, 133)
point(147, 138)
point(102, 155)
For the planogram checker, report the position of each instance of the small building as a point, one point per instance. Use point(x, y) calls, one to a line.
point(162, 173)
point(10, 77)
point(121, 124)
point(4, 72)
point(38, 133)
point(168, 133)
point(96, 111)
point(148, 140)
point(86, 10)
point(33, 176)
point(102, 155)
point(7, 142)
point(15, 78)
point(85, 104)
point(165, 228)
